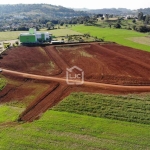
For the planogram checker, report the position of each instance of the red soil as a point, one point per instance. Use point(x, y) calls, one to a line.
point(29, 59)
point(105, 65)
point(108, 68)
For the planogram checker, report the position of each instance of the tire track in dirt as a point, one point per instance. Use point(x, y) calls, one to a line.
point(57, 59)
point(113, 53)
point(42, 104)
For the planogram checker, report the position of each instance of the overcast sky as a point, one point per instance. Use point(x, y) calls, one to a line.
point(92, 4)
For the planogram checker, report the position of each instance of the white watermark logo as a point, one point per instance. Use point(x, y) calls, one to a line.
point(75, 76)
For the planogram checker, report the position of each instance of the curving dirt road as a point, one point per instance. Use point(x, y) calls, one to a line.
point(86, 83)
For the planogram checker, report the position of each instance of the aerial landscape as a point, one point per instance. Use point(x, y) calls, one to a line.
point(74, 77)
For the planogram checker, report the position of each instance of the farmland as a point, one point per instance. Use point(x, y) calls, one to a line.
point(131, 108)
point(116, 87)
point(119, 36)
point(46, 67)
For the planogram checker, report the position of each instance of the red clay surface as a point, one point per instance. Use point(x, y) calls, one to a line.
point(108, 68)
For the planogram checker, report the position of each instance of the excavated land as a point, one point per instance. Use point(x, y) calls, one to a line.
point(37, 75)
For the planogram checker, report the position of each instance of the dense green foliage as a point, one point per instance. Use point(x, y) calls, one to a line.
point(66, 131)
point(119, 36)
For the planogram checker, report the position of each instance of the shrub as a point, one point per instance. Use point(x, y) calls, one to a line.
point(142, 29)
point(117, 26)
point(17, 43)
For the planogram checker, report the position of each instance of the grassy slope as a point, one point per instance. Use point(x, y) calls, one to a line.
point(66, 131)
point(116, 35)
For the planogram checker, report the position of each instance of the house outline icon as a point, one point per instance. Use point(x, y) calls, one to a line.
point(75, 80)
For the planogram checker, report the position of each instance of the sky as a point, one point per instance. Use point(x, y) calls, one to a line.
point(91, 4)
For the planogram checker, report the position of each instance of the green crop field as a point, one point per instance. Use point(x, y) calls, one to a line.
point(131, 108)
point(69, 131)
point(119, 36)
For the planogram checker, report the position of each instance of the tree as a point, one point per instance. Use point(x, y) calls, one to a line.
point(147, 19)
point(134, 21)
point(50, 25)
point(102, 18)
point(140, 16)
point(110, 25)
point(107, 16)
point(142, 29)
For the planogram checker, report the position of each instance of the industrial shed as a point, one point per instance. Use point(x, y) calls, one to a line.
point(35, 37)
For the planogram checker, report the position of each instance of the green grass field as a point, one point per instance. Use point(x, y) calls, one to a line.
point(63, 32)
point(9, 35)
point(68, 131)
point(119, 36)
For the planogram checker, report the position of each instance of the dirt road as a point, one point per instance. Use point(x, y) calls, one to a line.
point(86, 83)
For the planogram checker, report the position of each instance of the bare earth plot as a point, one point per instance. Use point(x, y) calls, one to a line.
point(108, 68)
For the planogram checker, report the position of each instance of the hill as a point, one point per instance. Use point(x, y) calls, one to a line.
point(47, 10)
point(115, 11)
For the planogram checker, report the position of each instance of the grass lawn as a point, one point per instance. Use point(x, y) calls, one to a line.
point(119, 36)
point(68, 131)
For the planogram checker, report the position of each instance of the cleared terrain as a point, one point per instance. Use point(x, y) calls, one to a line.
point(109, 68)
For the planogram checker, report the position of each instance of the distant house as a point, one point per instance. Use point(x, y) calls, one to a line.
point(35, 37)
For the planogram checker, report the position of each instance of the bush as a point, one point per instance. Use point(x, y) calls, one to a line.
point(17, 43)
point(142, 29)
point(134, 21)
point(134, 27)
point(117, 26)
